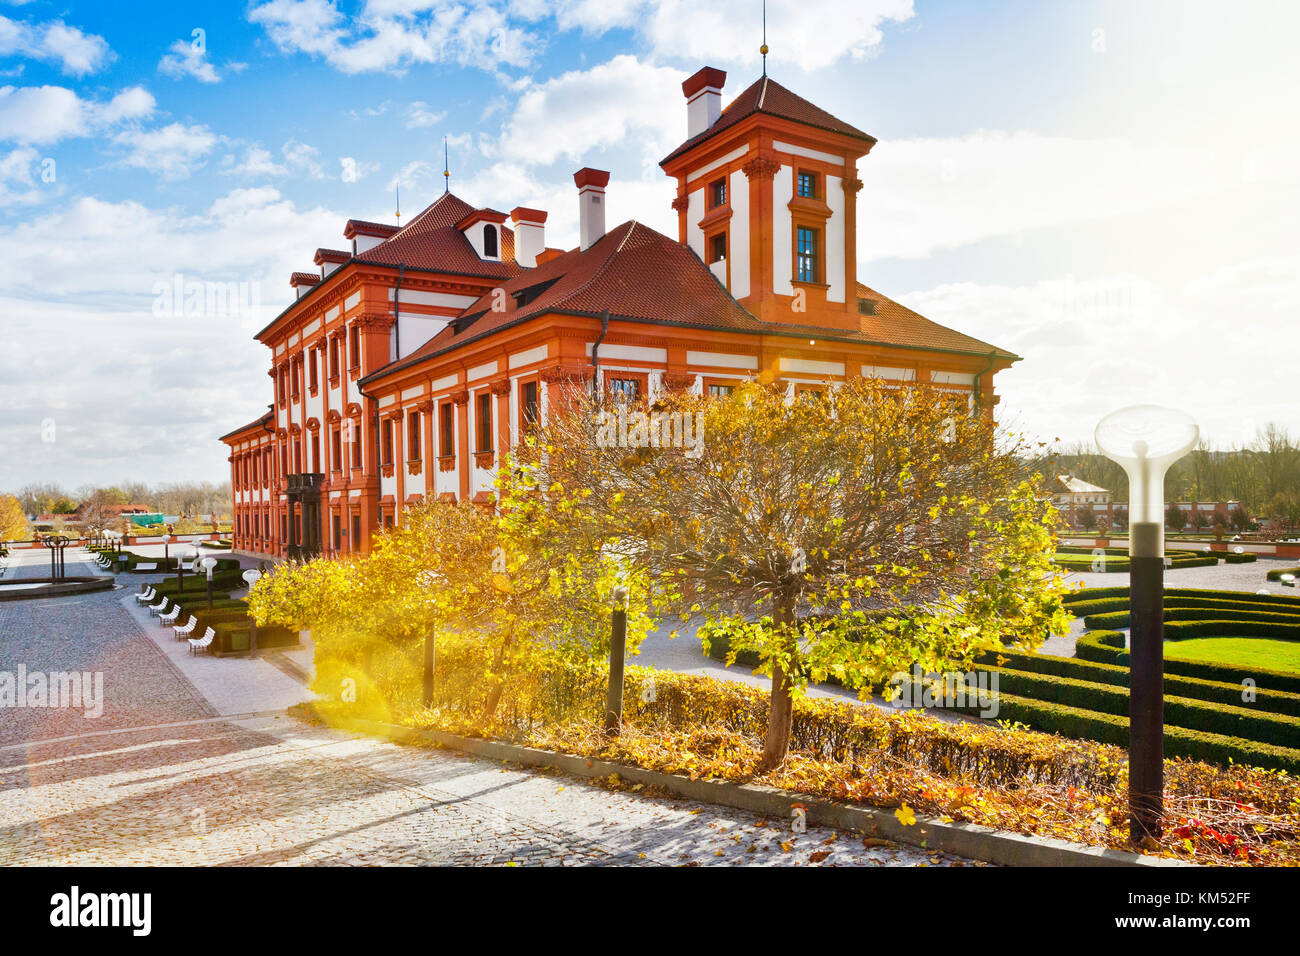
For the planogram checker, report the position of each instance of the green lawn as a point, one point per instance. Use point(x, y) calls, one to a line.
point(1239, 652)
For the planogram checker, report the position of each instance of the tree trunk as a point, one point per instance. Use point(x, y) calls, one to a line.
point(780, 716)
point(494, 697)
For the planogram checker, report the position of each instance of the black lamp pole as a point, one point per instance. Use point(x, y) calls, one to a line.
point(1146, 780)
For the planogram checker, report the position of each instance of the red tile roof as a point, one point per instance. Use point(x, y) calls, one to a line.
point(303, 278)
point(363, 227)
point(432, 241)
point(641, 275)
point(767, 96)
point(895, 324)
point(259, 424)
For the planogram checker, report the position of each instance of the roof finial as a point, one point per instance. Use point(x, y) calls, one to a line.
point(763, 48)
point(446, 168)
point(397, 190)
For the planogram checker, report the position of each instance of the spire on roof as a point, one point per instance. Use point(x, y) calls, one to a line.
point(446, 168)
point(763, 48)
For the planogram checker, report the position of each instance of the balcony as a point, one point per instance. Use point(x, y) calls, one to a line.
point(307, 482)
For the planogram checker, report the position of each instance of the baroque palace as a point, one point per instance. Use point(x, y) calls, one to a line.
point(409, 363)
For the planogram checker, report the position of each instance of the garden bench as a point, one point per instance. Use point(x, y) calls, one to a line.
point(152, 566)
point(199, 644)
point(186, 629)
point(145, 596)
point(168, 619)
point(156, 609)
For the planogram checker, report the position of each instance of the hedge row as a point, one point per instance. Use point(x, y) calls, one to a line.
point(1113, 729)
point(1279, 730)
point(1106, 605)
point(1085, 595)
point(1113, 620)
point(1223, 692)
point(1276, 573)
point(1107, 647)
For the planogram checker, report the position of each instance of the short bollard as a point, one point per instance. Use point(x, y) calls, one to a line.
point(617, 652)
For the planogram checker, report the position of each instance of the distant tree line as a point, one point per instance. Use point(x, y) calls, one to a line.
point(1263, 474)
point(182, 498)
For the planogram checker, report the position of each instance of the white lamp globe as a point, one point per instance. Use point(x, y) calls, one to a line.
point(1145, 440)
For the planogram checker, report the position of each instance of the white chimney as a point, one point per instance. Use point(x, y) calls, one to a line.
point(591, 185)
point(703, 99)
point(530, 234)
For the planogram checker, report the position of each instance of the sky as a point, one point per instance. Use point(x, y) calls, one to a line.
point(1108, 189)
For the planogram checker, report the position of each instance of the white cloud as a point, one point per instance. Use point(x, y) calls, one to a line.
point(420, 116)
point(188, 58)
point(47, 114)
point(76, 53)
point(1098, 343)
point(78, 285)
point(296, 159)
point(391, 36)
point(924, 195)
point(582, 110)
point(18, 186)
point(173, 151)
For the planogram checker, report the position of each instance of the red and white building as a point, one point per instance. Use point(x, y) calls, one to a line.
point(413, 359)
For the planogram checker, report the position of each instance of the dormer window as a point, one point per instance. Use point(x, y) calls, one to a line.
point(717, 193)
point(490, 242)
point(482, 228)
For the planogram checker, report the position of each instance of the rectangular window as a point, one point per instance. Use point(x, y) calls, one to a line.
point(356, 533)
point(334, 357)
point(315, 453)
point(413, 436)
point(807, 184)
point(807, 267)
point(483, 421)
point(717, 193)
point(336, 450)
point(354, 347)
point(718, 248)
point(389, 425)
point(356, 445)
point(720, 391)
point(295, 373)
point(528, 402)
point(625, 388)
point(446, 429)
point(338, 533)
point(311, 363)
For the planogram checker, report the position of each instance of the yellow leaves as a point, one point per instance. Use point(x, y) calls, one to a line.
point(905, 815)
point(502, 583)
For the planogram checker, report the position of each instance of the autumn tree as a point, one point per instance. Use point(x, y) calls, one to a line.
point(13, 522)
point(852, 501)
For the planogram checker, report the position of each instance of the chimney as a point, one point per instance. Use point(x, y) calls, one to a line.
point(703, 99)
point(530, 235)
point(591, 185)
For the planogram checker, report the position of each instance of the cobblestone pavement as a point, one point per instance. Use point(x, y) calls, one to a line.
point(269, 790)
point(158, 779)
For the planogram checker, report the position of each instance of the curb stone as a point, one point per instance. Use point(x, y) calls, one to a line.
point(961, 839)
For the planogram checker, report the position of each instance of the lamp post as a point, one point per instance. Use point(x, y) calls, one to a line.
point(207, 564)
point(251, 576)
point(1145, 440)
point(183, 555)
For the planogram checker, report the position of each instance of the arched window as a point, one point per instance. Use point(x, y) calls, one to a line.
point(490, 242)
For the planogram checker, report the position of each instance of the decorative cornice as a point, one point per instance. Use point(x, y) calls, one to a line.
point(677, 381)
point(446, 463)
point(459, 397)
point(313, 424)
point(681, 203)
point(851, 185)
point(413, 467)
point(425, 406)
point(500, 387)
point(380, 321)
point(333, 415)
point(353, 410)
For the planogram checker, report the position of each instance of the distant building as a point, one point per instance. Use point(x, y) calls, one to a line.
point(1070, 493)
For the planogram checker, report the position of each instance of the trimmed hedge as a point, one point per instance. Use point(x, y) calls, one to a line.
point(1085, 595)
point(1280, 730)
point(1276, 573)
point(1223, 692)
point(1112, 620)
point(1107, 647)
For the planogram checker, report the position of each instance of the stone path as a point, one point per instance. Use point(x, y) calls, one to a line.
point(169, 776)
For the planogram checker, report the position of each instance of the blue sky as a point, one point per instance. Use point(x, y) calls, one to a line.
point(1105, 188)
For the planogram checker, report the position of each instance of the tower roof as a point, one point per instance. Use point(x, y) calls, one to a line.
point(769, 97)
